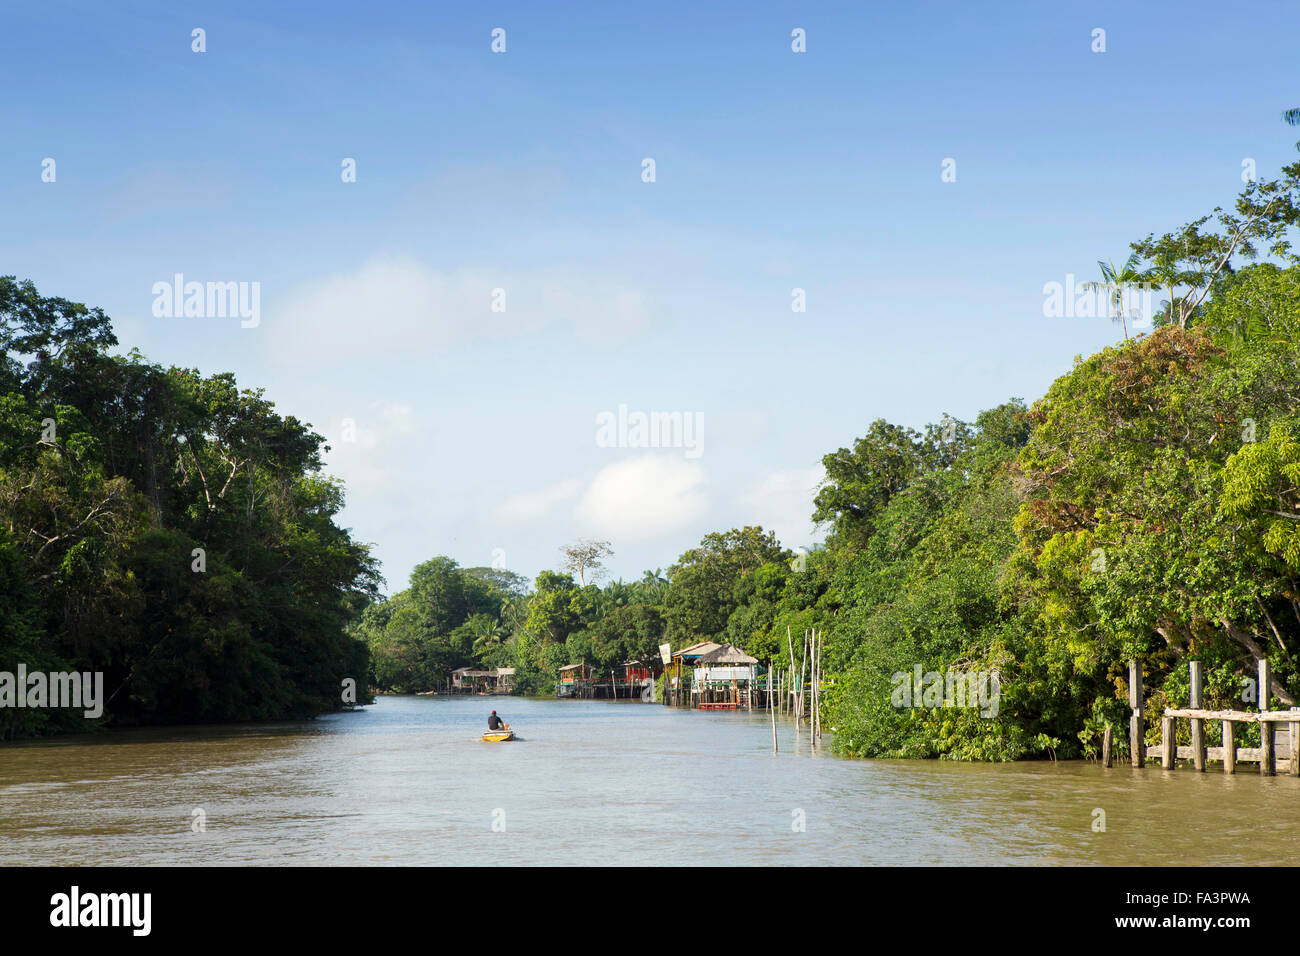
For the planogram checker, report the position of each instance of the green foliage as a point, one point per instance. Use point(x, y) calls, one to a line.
point(113, 471)
point(702, 595)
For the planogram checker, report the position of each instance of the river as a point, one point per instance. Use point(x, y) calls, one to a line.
point(408, 781)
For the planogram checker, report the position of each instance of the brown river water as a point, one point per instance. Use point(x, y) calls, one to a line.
point(408, 781)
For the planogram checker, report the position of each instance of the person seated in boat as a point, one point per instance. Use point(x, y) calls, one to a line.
point(496, 723)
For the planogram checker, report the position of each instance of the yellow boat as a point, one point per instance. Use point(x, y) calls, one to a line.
point(497, 736)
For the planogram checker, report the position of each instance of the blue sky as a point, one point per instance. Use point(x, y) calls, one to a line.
point(522, 171)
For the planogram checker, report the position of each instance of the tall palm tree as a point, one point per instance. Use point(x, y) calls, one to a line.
point(652, 587)
point(1292, 117)
point(1114, 283)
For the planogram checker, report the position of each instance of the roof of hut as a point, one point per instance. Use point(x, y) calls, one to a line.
point(728, 654)
point(697, 650)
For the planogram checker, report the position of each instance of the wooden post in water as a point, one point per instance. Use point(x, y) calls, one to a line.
point(817, 723)
point(1229, 748)
point(1105, 746)
point(1293, 765)
point(1168, 743)
point(821, 675)
point(1267, 757)
point(1136, 746)
point(771, 704)
point(821, 649)
point(1198, 725)
point(789, 640)
point(803, 665)
point(812, 691)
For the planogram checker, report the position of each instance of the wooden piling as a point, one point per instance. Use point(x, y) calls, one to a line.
point(1168, 743)
point(1229, 748)
point(816, 689)
point(803, 664)
point(789, 640)
point(1293, 765)
point(1267, 756)
point(1136, 745)
point(1105, 746)
point(813, 690)
point(771, 705)
point(1198, 725)
point(821, 650)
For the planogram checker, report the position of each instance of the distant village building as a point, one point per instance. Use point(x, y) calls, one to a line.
point(467, 680)
point(631, 680)
point(724, 678)
point(681, 666)
point(710, 676)
point(575, 681)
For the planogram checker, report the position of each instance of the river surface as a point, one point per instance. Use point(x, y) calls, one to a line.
point(408, 781)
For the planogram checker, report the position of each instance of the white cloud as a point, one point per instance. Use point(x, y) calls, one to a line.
point(642, 498)
point(361, 444)
point(782, 501)
point(534, 505)
point(396, 307)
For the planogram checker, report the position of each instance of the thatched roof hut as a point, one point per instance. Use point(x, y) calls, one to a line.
point(695, 651)
point(726, 654)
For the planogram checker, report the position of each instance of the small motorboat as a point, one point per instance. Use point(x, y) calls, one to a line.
point(498, 736)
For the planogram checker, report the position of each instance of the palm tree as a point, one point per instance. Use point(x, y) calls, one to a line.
point(487, 632)
point(652, 587)
point(1292, 118)
point(1114, 285)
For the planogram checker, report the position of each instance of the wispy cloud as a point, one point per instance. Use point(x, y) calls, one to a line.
point(782, 501)
point(534, 505)
point(395, 307)
point(366, 450)
point(644, 498)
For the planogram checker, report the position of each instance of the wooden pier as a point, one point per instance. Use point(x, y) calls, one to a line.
point(1275, 751)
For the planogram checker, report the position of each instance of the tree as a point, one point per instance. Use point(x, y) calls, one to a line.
point(584, 557)
point(701, 593)
point(1194, 260)
point(860, 483)
point(175, 530)
point(559, 607)
point(1125, 549)
point(1115, 284)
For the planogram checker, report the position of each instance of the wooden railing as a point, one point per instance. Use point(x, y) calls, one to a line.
point(1168, 751)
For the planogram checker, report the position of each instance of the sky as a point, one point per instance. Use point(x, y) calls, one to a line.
point(503, 275)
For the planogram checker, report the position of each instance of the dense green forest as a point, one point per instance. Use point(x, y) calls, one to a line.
point(1148, 506)
point(169, 530)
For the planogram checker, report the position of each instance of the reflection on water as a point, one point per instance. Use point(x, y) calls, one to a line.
point(408, 781)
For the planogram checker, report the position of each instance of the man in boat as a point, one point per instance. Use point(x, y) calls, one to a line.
point(496, 723)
